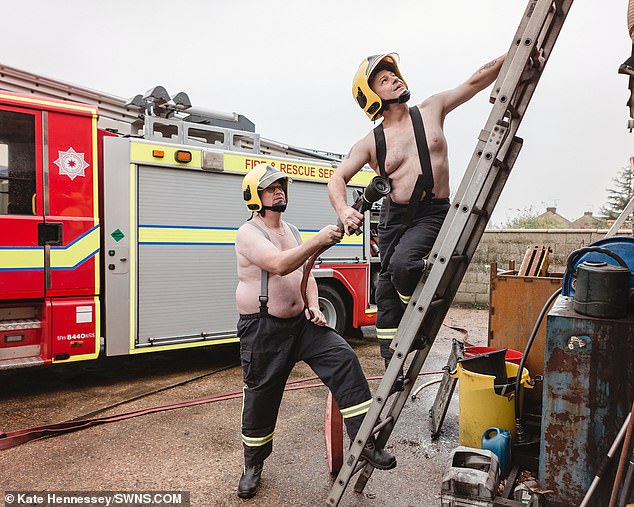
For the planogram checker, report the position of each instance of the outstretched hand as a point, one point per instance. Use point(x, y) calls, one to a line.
point(329, 235)
point(351, 219)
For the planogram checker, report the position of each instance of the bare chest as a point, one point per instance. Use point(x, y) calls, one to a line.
point(402, 150)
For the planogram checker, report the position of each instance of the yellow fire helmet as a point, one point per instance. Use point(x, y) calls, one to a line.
point(367, 99)
point(259, 178)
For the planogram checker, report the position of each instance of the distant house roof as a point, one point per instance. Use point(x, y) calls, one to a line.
point(553, 219)
point(587, 221)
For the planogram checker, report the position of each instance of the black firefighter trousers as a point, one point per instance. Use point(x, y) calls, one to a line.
point(403, 250)
point(269, 348)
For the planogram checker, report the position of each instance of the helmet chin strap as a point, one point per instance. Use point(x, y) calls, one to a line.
point(280, 207)
point(403, 97)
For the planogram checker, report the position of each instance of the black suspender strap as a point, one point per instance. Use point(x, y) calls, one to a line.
point(264, 278)
point(423, 151)
point(295, 232)
point(425, 180)
point(381, 151)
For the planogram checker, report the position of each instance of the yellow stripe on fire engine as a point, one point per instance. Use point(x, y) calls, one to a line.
point(346, 241)
point(300, 170)
point(14, 259)
point(161, 235)
point(68, 257)
point(77, 252)
point(143, 153)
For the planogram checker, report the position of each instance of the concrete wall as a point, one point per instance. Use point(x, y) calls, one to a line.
point(504, 245)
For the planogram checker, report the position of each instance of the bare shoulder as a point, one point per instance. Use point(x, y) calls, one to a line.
point(360, 154)
point(247, 232)
point(434, 102)
point(363, 147)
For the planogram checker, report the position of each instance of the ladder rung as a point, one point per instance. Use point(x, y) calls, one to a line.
point(360, 466)
point(501, 165)
point(480, 212)
point(383, 424)
point(463, 257)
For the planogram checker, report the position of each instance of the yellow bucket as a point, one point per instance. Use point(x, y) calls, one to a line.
point(481, 407)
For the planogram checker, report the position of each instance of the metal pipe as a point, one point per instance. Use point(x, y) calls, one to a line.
point(627, 483)
point(622, 461)
point(605, 463)
point(519, 430)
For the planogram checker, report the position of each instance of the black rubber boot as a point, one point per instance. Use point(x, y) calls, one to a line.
point(249, 481)
point(378, 458)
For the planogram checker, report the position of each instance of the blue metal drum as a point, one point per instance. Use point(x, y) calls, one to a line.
point(623, 246)
point(588, 392)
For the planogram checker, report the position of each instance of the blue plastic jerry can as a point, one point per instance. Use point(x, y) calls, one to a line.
point(498, 441)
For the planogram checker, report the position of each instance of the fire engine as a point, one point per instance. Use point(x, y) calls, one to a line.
point(118, 221)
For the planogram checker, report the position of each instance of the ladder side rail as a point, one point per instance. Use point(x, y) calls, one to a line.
point(463, 226)
point(522, 48)
point(485, 201)
point(446, 248)
point(510, 56)
point(497, 180)
point(416, 364)
point(506, 87)
point(545, 41)
point(627, 211)
point(525, 91)
point(411, 325)
point(432, 320)
point(408, 329)
point(446, 389)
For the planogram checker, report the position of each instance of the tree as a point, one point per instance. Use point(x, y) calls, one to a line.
point(530, 218)
point(620, 195)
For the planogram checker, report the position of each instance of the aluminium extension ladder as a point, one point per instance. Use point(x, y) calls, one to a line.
point(487, 172)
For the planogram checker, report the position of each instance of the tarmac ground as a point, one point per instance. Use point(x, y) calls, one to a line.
point(197, 449)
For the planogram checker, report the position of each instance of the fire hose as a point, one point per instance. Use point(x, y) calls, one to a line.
point(378, 188)
point(14, 438)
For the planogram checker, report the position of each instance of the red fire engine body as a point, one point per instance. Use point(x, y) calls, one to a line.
point(105, 244)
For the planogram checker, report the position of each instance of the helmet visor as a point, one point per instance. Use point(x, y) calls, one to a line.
point(271, 175)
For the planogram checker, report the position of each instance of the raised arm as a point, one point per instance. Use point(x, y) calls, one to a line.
point(261, 252)
point(359, 156)
point(481, 79)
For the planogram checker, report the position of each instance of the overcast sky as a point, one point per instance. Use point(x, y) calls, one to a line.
point(288, 67)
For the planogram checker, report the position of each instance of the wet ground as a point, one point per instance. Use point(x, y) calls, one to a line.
point(198, 449)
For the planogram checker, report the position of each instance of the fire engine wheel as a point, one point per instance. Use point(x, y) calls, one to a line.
point(332, 306)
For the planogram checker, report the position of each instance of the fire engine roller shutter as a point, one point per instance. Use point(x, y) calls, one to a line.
point(310, 210)
point(187, 265)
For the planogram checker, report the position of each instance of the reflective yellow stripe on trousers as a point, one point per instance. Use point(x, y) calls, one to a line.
point(387, 333)
point(355, 410)
point(257, 441)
